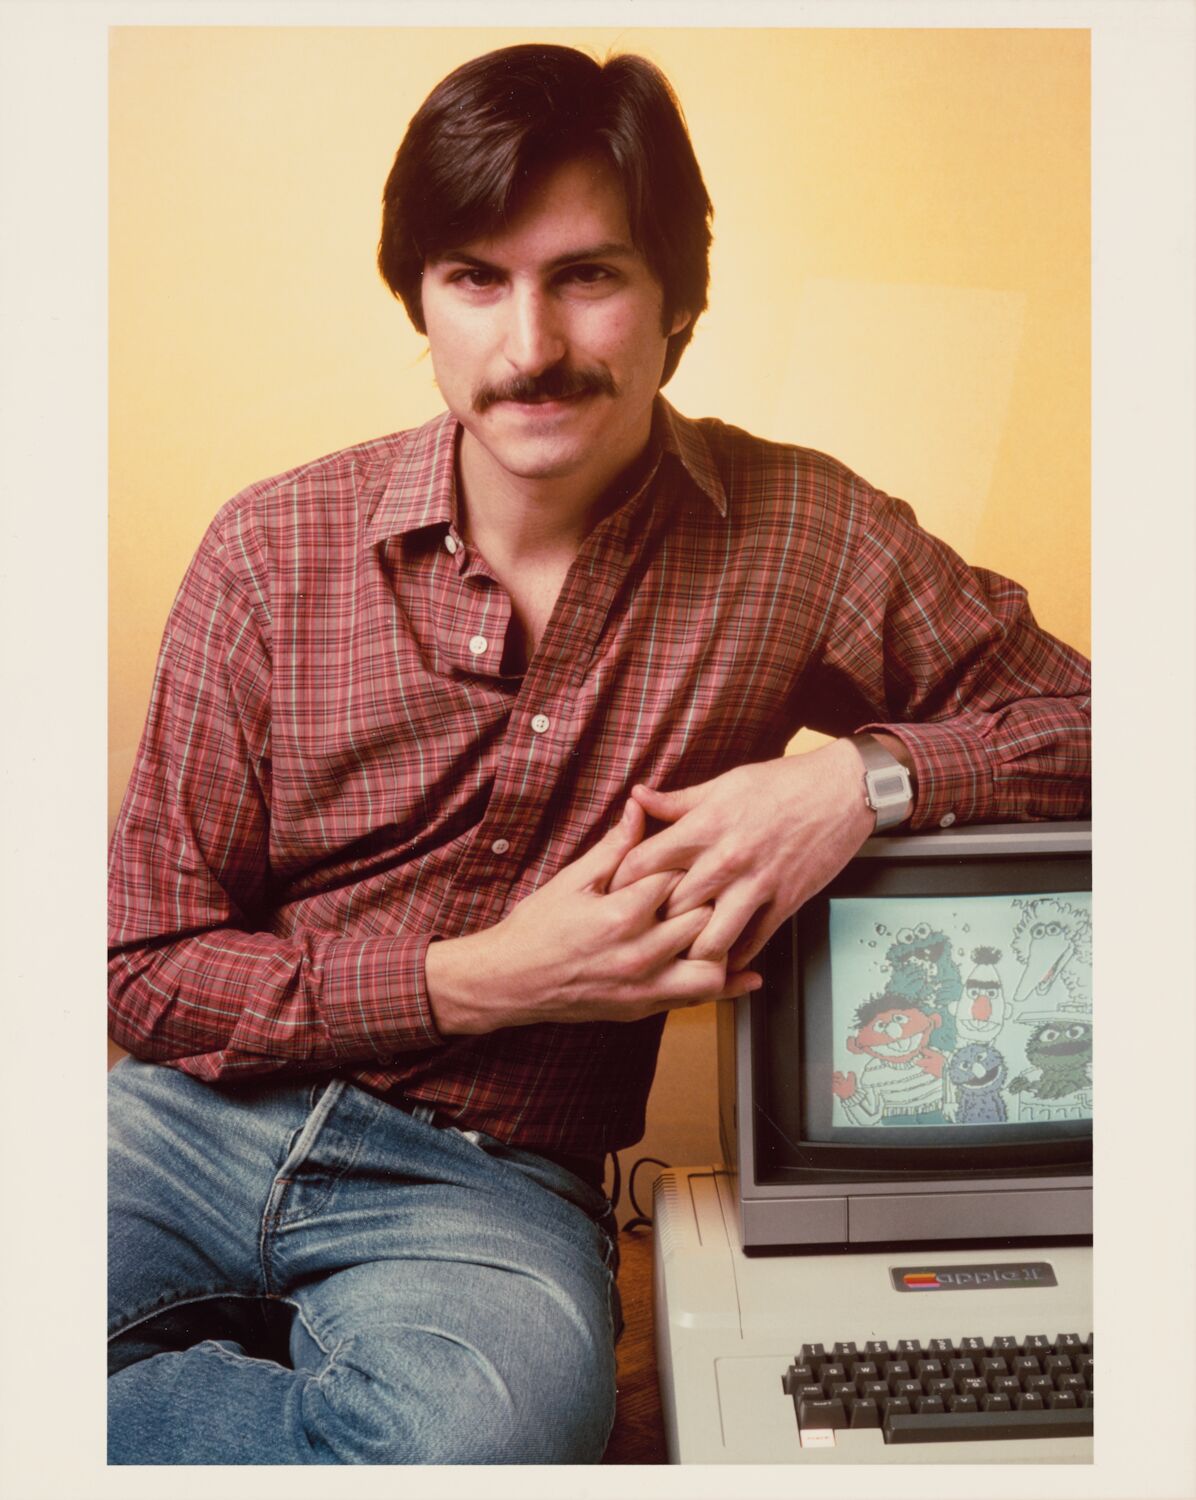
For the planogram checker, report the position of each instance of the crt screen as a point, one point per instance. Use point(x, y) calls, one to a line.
point(958, 1012)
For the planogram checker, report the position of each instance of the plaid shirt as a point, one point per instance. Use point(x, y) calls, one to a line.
point(335, 769)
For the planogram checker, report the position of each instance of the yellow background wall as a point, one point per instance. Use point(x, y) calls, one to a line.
point(900, 277)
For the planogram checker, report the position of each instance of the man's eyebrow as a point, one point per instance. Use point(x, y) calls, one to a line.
point(605, 250)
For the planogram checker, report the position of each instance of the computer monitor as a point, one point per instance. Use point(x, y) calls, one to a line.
point(917, 1065)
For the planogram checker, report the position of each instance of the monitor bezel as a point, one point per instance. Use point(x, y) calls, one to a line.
point(785, 1027)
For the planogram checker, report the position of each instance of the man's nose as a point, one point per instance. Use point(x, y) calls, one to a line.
point(535, 338)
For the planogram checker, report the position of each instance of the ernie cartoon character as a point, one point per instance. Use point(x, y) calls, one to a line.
point(902, 1082)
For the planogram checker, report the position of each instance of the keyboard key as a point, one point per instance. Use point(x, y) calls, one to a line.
point(927, 1405)
point(831, 1374)
point(941, 1348)
point(876, 1349)
point(1062, 1401)
point(794, 1376)
point(820, 1413)
point(975, 1348)
point(959, 1405)
point(1069, 1343)
point(982, 1425)
point(996, 1401)
point(909, 1348)
point(842, 1352)
point(895, 1406)
point(1036, 1343)
point(1006, 1345)
point(864, 1414)
point(1029, 1401)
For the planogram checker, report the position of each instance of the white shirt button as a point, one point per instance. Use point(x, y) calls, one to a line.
point(478, 644)
point(450, 543)
point(540, 723)
point(500, 846)
point(946, 820)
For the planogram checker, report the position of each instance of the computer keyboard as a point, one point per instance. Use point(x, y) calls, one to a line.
point(944, 1390)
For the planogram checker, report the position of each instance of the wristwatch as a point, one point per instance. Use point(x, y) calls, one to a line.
point(888, 790)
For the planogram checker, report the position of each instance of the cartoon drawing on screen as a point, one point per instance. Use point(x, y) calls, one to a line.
point(977, 1073)
point(902, 1081)
point(1057, 1084)
point(1053, 941)
point(922, 969)
point(979, 1013)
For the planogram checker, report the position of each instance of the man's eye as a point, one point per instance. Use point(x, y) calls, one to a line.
point(586, 275)
point(473, 276)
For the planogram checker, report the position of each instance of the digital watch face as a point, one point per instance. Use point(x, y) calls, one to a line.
point(950, 1013)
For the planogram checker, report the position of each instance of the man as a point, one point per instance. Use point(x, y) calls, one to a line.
point(384, 891)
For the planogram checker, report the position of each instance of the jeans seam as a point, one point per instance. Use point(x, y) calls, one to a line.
point(330, 1352)
point(306, 1138)
point(230, 1356)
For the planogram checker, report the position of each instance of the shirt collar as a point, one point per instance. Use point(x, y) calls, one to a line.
point(421, 486)
point(420, 489)
point(687, 442)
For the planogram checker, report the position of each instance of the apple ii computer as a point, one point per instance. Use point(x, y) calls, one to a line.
point(894, 1262)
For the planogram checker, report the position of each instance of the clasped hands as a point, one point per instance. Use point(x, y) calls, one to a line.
point(642, 924)
point(754, 844)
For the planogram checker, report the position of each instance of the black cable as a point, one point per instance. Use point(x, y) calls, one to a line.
point(616, 1188)
point(640, 1218)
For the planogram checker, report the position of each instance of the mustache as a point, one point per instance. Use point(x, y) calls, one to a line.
point(554, 384)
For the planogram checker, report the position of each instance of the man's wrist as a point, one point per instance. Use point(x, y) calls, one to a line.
point(887, 784)
point(459, 983)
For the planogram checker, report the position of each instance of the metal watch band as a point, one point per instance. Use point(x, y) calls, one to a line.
point(888, 790)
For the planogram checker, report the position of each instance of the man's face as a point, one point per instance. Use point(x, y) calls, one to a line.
point(546, 336)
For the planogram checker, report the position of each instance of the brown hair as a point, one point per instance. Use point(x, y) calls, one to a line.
point(495, 125)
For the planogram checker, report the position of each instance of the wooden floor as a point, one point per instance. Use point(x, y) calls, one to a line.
point(638, 1435)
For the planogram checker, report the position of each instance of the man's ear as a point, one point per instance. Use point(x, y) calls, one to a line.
point(680, 319)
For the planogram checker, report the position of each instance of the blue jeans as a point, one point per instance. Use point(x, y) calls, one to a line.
point(304, 1273)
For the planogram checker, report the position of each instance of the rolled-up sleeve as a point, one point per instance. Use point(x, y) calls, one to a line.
point(994, 711)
